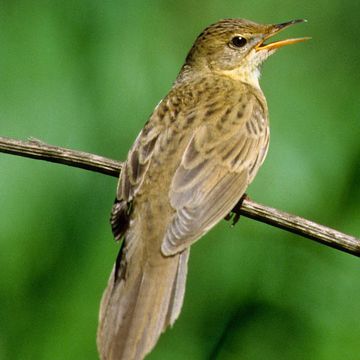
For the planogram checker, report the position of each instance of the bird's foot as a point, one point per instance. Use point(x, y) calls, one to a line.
point(234, 214)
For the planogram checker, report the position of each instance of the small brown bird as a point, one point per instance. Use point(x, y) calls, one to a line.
point(188, 167)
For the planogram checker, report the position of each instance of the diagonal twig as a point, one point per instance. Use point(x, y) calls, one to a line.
point(39, 150)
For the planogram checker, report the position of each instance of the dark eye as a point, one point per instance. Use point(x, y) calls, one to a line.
point(238, 41)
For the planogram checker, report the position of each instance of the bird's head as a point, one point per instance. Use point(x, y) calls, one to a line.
point(236, 47)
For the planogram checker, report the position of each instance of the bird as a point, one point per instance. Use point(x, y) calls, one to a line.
point(187, 169)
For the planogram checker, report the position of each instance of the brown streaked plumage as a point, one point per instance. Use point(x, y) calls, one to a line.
point(189, 166)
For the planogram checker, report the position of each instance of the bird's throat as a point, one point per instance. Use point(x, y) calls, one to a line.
point(246, 75)
point(249, 69)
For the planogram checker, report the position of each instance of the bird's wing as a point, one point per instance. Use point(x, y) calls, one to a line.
point(137, 163)
point(132, 175)
point(219, 162)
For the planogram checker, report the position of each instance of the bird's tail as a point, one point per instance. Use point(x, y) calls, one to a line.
point(139, 303)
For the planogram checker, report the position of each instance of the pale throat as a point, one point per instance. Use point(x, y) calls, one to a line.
point(247, 75)
point(248, 70)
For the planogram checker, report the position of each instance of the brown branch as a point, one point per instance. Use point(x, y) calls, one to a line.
point(300, 226)
point(38, 150)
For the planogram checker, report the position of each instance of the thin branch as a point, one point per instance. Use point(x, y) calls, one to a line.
point(38, 150)
point(300, 226)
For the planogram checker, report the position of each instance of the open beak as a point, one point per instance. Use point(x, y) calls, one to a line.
point(275, 29)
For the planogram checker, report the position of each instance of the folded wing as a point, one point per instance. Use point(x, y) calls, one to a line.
point(218, 164)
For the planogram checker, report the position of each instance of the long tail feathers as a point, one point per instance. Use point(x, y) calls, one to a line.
point(135, 310)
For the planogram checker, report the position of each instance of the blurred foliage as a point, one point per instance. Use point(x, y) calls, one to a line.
point(86, 75)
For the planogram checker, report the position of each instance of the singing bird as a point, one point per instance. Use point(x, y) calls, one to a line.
point(189, 166)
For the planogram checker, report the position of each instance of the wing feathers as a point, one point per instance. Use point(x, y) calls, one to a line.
point(214, 172)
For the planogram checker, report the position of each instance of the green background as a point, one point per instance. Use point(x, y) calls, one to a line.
point(86, 75)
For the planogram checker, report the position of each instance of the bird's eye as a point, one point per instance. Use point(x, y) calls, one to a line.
point(238, 41)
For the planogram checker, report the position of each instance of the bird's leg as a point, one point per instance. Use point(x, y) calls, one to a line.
point(234, 214)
